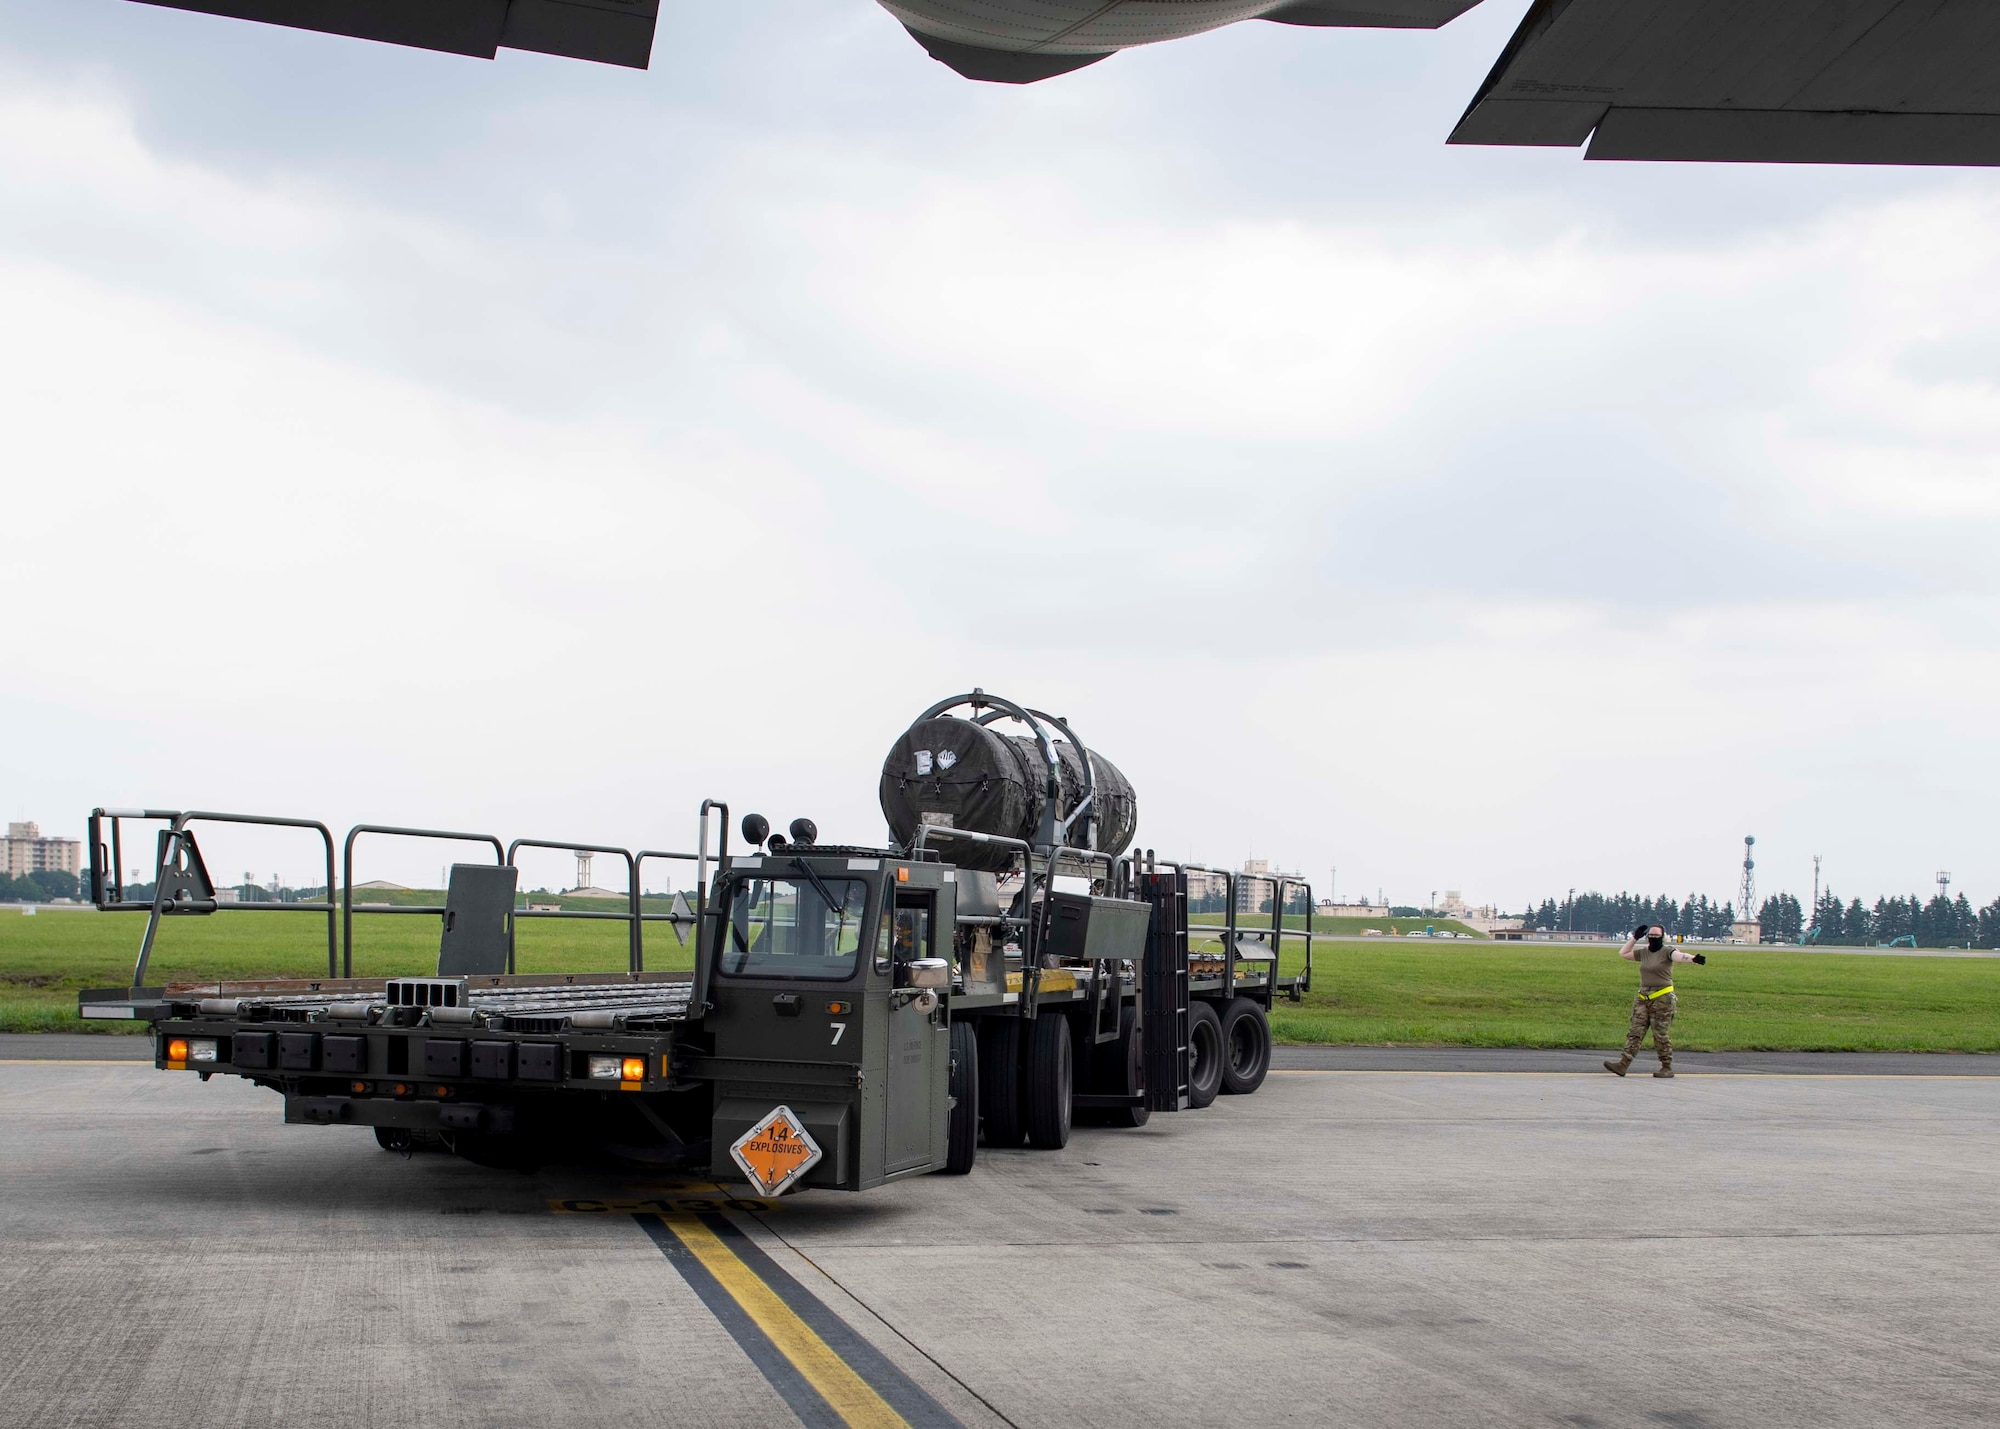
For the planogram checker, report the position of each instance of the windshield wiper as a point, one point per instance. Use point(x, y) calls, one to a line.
point(826, 896)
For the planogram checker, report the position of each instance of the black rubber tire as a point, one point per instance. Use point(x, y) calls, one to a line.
point(1000, 1080)
point(1122, 1065)
point(1246, 1048)
point(395, 1138)
point(1051, 1074)
point(1204, 1054)
point(961, 1142)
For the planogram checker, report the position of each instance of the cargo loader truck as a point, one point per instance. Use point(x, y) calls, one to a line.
point(855, 1015)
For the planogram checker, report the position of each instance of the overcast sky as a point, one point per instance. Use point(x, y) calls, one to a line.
point(541, 447)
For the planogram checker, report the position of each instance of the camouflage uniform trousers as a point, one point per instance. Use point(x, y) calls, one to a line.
point(1657, 1013)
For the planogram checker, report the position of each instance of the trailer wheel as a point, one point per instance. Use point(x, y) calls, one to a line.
point(1119, 1069)
point(1204, 1054)
point(961, 1145)
point(1246, 1048)
point(1000, 1080)
point(1050, 1073)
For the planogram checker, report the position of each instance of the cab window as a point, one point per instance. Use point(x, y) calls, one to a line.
point(792, 928)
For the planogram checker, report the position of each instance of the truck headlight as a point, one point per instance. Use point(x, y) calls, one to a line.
point(606, 1069)
point(201, 1049)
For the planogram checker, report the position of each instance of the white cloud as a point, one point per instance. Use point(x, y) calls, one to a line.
point(360, 500)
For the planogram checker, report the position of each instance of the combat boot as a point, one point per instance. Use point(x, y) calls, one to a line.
point(1666, 1067)
point(1617, 1068)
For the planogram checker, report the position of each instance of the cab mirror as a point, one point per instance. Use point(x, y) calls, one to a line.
point(932, 973)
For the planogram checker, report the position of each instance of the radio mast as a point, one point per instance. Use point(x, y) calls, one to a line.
point(1746, 897)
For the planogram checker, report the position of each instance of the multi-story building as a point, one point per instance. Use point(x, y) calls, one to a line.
point(28, 852)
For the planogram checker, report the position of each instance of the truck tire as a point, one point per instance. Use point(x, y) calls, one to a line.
point(1000, 1080)
point(1051, 1071)
point(1119, 1070)
point(1246, 1048)
point(961, 1143)
point(1204, 1054)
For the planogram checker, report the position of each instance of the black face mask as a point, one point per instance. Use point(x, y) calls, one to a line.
point(1655, 943)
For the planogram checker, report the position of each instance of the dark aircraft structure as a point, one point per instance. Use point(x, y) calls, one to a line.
point(1750, 81)
point(617, 32)
point(1756, 81)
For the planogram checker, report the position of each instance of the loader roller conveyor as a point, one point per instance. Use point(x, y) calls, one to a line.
point(659, 997)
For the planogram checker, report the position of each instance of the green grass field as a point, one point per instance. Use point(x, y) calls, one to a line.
point(46, 958)
point(1507, 995)
point(1371, 992)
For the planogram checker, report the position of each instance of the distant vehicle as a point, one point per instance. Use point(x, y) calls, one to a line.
point(1906, 941)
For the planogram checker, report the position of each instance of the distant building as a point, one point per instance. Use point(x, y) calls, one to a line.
point(1253, 895)
point(28, 852)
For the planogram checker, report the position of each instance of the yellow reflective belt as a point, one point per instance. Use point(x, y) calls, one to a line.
point(1661, 993)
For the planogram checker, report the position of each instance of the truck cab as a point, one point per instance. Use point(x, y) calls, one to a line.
point(824, 975)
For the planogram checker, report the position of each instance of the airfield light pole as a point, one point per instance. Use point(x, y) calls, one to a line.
point(1572, 910)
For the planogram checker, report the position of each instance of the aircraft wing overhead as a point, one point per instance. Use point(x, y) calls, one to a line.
point(1756, 81)
point(618, 32)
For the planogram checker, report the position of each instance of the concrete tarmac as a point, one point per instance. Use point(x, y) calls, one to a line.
point(1353, 1247)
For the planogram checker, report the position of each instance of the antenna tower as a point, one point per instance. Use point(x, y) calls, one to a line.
point(1944, 885)
point(1746, 896)
point(1812, 913)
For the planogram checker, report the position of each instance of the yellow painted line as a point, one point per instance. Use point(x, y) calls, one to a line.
point(665, 1205)
point(851, 1396)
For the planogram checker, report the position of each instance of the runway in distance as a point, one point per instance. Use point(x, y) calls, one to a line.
point(1770, 81)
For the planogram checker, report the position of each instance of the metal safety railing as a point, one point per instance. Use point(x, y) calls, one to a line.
point(189, 890)
point(1234, 927)
point(182, 886)
point(347, 881)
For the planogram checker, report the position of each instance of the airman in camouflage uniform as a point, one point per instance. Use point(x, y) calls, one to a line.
point(1655, 1004)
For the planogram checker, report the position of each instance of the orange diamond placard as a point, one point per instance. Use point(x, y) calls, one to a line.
point(775, 1152)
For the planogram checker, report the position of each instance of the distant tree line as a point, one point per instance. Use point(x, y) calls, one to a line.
point(47, 885)
point(44, 885)
point(1913, 922)
point(1621, 913)
point(1939, 922)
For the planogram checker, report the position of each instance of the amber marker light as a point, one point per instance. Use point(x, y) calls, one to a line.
point(177, 1049)
point(839, 1009)
point(902, 875)
point(634, 1070)
point(357, 1087)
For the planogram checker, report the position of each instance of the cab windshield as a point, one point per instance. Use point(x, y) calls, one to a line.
point(795, 928)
